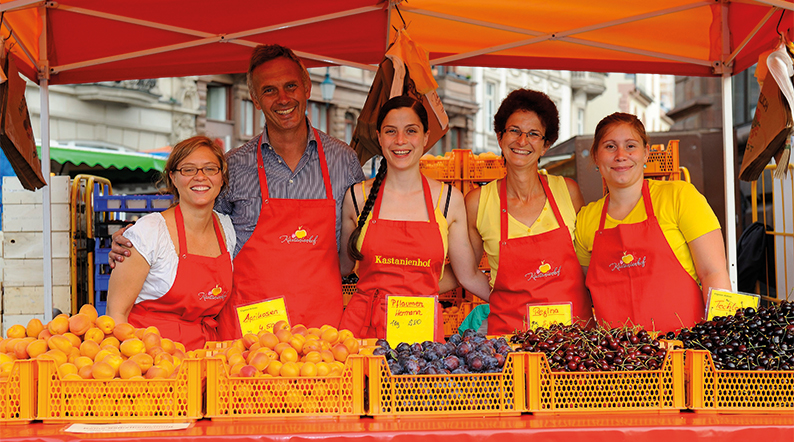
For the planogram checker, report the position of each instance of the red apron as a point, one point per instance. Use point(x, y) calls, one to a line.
point(416, 241)
point(535, 269)
point(292, 253)
point(634, 275)
point(202, 286)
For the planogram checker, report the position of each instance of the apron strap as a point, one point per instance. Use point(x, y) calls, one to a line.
point(503, 211)
point(544, 180)
point(646, 201)
point(431, 213)
point(260, 168)
point(180, 231)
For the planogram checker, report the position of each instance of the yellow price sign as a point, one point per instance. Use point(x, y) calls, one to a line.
point(261, 316)
point(410, 319)
point(725, 303)
point(544, 315)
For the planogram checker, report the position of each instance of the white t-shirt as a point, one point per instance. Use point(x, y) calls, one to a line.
point(149, 235)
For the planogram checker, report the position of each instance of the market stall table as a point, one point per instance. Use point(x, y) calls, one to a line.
point(587, 427)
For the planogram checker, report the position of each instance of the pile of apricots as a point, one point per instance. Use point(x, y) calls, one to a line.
point(88, 346)
point(290, 352)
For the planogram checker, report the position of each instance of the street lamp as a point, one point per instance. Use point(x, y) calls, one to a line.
point(327, 87)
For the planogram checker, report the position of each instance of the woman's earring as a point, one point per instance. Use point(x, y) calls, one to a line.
point(644, 166)
point(596, 168)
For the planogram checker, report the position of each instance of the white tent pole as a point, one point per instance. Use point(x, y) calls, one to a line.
point(46, 209)
point(727, 138)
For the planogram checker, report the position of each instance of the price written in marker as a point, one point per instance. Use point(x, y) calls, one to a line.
point(261, 316)
point(410, 319)
point(725, 303)
point(544, 315)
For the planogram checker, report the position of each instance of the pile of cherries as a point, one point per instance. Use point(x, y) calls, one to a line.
point(748, 340)
point(571, 348)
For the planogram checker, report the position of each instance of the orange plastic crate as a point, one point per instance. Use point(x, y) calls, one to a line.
point(243, 398)
point(18, 393)
point(452, 321)
point(712, 390)
point(635, 391)
point(486, 169)
point(347, 292)
point(480, 394)
point(441, 169)
point(120, 400)
point(663, 161)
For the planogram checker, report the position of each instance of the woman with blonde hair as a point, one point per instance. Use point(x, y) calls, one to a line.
point(179, 272)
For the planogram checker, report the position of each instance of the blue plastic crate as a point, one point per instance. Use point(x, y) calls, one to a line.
point(130, 203)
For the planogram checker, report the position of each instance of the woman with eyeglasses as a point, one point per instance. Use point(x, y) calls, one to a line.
point(651, 249)
point(525, 222)
point(401, 226)
point(179, 273)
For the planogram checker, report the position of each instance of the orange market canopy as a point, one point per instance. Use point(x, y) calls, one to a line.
point(80, 41)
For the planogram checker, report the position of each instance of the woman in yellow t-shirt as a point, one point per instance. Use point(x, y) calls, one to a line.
point(525, 222)
point(651, 249)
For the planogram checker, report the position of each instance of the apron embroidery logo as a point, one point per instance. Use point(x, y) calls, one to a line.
point(214, 294)
point(543, 271)
point(627, 261)
point(300, 236)
point(402, 261)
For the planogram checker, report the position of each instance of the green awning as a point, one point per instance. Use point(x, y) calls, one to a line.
point(105, 158)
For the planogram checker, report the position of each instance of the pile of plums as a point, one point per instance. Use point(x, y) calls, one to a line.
point(750, 339)
point(470, 353)
point(571, 348)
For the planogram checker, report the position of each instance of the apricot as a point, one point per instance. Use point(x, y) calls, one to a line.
point(236, 358)
point(67, 368)
point(268, 340)
point(6, 358)
point(249, 339)
point(45, 334)
point(163, 357)
point(281, 325)
point(290, 370)
point(90, 312)
point(281, 346)
point(21, 348)
point(168, 345)
point(34, 328)
point(330, 335)
point(274, 368)
point(73, 339)
point(37, 347)
point(59, 342)
point(139, 333)
point(114, 361)
point(238, 345)
point(313, 357)
point(323, 369)
point(180, 346)
point(152, 329)
point(128, 369)
point(123, 331)
point(248, 371)
point(103, 370)
point(111, 341)
point(74, 354)
point(151, 340)
point(86, 371)
point(56, 355)
point(154, 351)
point(289, 355)
point(352, 345)
point(106, 324)
point(94, 334)
point(72, 377)
point(82, 361)
point(89, 349)
point(144, 361)
point(16, 331)
point(314, 331)
point(297, 342)
point(340, 352)
point(308, 370)
point(253, 348)
point(260, 361)
point(344, 334)
point(312, 346)
point(131, 347)
point(59, 325)
point(284, 335)
point(327, 355)
point(102, 354)
point(79, 324)
point(5, 368)
point(299, 329)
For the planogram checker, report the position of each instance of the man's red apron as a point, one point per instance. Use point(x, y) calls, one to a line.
point(202, 286)
point(635, 276)
point(535, 269)
point(420, 243)
point(292, 253)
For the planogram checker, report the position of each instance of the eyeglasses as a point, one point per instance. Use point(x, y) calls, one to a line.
point(192, 171)
point(532, 136)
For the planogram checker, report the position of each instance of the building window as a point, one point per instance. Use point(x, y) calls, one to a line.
point(580, 122)
point(247, 117)
point(318, 114)
point(745, 95)
point(350, 123)
point(454, 138)
point(218, 102)
point(490, 103)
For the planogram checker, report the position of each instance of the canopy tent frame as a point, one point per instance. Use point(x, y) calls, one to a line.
point(723, 67)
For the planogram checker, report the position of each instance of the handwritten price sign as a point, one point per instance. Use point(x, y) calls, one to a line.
point(410, 319)
point(725, 303)
point(261, 316)
point(543, 315)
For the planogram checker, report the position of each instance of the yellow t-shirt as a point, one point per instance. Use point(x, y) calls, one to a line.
point(443, 227)
point(683, 213)
point(488, 220)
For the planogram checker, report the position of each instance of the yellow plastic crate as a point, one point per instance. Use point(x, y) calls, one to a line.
point(635, 391)
point(243, 398)
point(712, 390)
point(441, 169)
point(120, 400)
point(480, 394)
point(18, 393)
point(486, 169)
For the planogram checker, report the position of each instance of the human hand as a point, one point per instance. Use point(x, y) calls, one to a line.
point(119, 247)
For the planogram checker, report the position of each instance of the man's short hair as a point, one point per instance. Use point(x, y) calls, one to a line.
point(264, 53)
